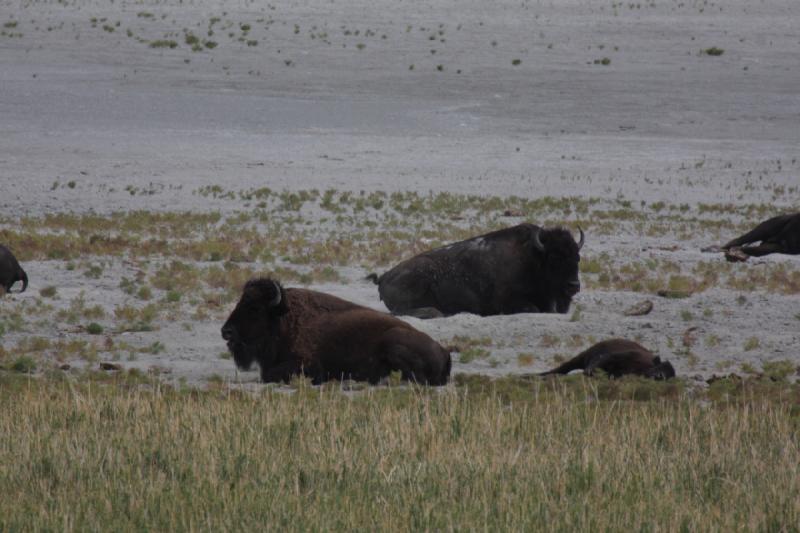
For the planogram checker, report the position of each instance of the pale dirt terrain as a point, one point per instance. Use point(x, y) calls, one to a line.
point(662, 122)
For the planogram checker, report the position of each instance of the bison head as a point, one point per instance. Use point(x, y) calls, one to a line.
point(660, 370)
point(561, 258)
point(248, 329)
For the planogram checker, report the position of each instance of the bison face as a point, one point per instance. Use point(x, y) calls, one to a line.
point(561, 264)
point(661, 371)
point(252, 326)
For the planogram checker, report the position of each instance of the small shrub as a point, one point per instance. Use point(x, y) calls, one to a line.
point(163, 43)
point(174, 296)
point(779, 370)
point(24, 365)
point(94, 329)
point(48, 292)
point(714, 51)
point(144, 293)
point(525, 359)
point(751, 344)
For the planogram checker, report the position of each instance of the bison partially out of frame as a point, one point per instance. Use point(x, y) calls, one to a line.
point(618, 357)
point(778, 235)
point(521, 269)
point(10, 271)
point(297, 331)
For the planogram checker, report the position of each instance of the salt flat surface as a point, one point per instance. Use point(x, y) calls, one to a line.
point(504, 98)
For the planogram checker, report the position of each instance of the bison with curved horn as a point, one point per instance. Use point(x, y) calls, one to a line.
point(10, 271)
point(778, 235)
point(298, 331)
point(618, 357)
point(521, 269)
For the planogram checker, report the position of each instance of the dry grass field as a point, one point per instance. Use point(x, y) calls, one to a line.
point(510, 455)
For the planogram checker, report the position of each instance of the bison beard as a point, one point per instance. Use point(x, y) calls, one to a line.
point(297, 331)
point(10, 271)
point(617, 357)
point(521, 269)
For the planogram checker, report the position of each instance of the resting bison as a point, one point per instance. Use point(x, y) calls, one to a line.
point(778, 235)
point(521, 269)
point(298, 331)
point(10, 271)
point(617, 357)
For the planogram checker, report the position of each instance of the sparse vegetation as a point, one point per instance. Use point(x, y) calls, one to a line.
point(163, 43)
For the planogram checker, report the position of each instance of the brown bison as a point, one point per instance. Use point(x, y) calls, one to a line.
point(521, 269)
point(778, 235)
point(617, 357)
point(10, 271)
point(298, 331)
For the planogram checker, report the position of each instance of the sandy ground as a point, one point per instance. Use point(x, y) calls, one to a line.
point(504, 98)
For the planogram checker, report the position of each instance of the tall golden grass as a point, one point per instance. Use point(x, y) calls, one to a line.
point(81, 457)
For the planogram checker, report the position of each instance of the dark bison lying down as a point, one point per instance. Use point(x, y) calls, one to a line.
point(778, 235)
point(298, 331)
point(522, 269)
point(617, 357)
point(10, 271)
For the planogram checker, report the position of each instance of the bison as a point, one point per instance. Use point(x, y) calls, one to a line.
point(10, 271)
point(521, 269)
point(297, 331)
point(617, 357)
point(778, 235)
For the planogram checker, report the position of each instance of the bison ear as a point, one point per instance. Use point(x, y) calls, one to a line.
point(656, 360)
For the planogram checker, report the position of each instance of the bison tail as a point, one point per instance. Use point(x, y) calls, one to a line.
point(374, 278)
point(24, 277)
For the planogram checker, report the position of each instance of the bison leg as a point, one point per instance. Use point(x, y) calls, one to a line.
point(424, 312)
point(282, 372)
point(762, 249)
point(762, 232)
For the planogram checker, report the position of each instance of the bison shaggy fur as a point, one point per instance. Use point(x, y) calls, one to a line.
point(520, 269)
point(293, 331)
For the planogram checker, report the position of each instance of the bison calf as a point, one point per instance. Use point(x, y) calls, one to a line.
point(10, 271)
point(778, 235)
point(617, 357)
point(298, 331)
point(521, 269)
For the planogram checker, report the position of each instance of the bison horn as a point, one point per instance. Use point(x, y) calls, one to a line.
point(583, 238)
point(537, 243)
point(277, 300)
